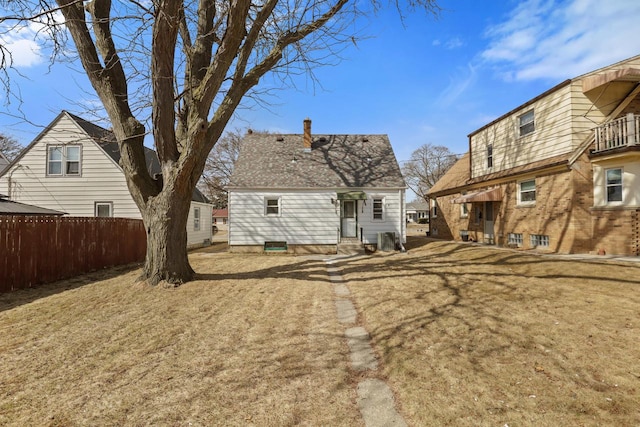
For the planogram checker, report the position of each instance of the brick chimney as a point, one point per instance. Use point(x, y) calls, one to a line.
point(306, 137)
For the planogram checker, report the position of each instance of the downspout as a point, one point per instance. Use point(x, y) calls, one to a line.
point(403, 220)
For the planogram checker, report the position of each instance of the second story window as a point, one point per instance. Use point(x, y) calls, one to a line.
point(490, 155)
point(63, 160)
point(527, 123)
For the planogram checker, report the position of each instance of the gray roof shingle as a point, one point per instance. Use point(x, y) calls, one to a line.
point(334, 161)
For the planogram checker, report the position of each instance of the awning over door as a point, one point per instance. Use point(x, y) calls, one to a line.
point(490, 195)
point(352, 195)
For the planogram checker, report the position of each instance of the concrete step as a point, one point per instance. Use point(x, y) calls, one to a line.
point(350, 248)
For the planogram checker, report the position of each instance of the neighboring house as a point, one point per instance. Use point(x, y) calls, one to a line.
point(417, 211)
point(560, 172)
point(220, 218)
point(310, 193)
point(9, 207)
point(73, 166)
point(4, 162)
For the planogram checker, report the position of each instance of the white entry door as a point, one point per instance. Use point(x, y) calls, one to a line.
point(349, 221)
point(488, 223)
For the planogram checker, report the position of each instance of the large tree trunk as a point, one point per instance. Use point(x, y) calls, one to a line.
point(165, 220)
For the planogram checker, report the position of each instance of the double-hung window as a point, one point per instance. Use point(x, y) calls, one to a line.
point(527, 192)
point(63, 160)
point(490, 155)
point(527, 123)
point(378, 209)
point(614, 185)
point(272, 206)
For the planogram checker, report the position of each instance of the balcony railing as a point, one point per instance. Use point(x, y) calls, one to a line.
point(622, 132)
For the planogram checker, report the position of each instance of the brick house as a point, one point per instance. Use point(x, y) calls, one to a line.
point(561, 172)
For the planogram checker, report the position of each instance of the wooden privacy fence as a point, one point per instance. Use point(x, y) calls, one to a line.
point(41, 249)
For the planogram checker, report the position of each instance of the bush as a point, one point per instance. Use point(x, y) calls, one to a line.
point(423, 221)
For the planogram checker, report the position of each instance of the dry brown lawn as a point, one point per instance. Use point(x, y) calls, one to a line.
point(465, 335)
point(471, 336)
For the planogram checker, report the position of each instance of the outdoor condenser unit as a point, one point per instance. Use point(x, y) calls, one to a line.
point(387, 241)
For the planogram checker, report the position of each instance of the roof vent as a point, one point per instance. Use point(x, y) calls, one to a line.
point(280, 138)
point(365, 139)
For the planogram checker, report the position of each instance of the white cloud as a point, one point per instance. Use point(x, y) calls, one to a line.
point(24, 52)
point(454, 43)
point(547, 39)
point(457, 86)
point(26, 42)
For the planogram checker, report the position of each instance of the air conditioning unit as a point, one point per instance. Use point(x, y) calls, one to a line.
point(387, 241)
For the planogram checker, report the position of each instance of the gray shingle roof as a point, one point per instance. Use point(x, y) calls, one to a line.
point(334, 161)
point(8, 207)
point(107, 140)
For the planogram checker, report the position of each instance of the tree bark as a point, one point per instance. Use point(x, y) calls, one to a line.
point(165, 219)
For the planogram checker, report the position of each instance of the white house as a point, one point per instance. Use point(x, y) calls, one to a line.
point(73, 166)
point(313, 193)
point(4, 162)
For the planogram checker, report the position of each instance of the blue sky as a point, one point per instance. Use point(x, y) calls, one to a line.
point(427, 81)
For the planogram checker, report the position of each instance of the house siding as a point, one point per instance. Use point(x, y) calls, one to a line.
point(202, 236)
point(307, 217)
point(101, 180)
point(552, 136)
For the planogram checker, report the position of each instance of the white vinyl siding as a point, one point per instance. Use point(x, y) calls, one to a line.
point(101, 178)
point(197, 235)
point(552, 137)
point(307, 217)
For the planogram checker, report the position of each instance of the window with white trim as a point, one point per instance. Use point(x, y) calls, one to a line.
point(103, 209)
point(63, 160)
point(539, 241)
point(196, 219)
point(527, 192)
point(515, 239)
point(272, 206)
point(614, 185)
point(527, 123)
point(378, 209)
point(434, 209)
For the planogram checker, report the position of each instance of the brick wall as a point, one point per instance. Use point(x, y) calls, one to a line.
point(563, 211)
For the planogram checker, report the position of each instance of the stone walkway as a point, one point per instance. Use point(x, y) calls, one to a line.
point(375, 399)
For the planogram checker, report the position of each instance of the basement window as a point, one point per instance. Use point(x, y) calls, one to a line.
point(515, 239)
point(539, 241)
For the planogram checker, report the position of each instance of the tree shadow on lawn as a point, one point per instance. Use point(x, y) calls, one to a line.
point(9, 300)
point(482, 307)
